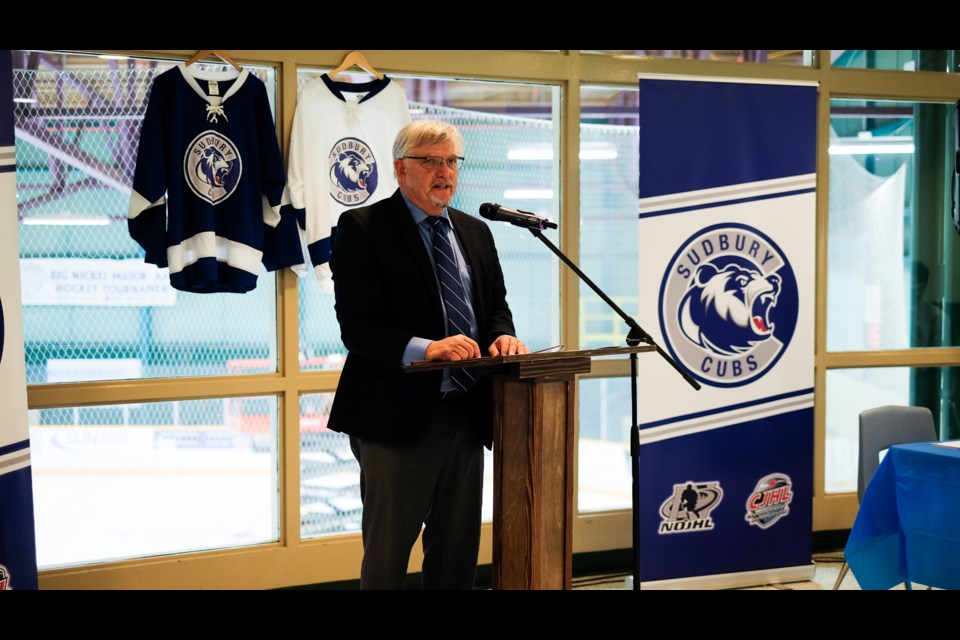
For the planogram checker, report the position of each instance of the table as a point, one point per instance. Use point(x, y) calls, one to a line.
point(908, 525)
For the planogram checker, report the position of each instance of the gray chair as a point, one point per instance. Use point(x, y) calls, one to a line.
point(881, 428)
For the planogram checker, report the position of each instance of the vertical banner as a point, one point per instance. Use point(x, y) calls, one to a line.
point(18, 557)
point(727, 246)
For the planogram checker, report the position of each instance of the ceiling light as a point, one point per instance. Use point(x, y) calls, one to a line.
point(544, 151)
point(865, 145)
point(528, 194)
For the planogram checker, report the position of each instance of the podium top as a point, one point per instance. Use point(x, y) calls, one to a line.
point(554, 357)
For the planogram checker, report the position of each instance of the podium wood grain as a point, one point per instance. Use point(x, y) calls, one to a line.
point(533, 485)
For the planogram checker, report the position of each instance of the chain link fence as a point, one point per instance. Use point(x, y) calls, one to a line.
point(92, 308)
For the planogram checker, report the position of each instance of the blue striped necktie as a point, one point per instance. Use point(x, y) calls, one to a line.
point(451, 288)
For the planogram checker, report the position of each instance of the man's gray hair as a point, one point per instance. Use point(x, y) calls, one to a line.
point(425, 132)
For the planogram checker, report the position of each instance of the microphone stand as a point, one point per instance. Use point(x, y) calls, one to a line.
point(635, 336)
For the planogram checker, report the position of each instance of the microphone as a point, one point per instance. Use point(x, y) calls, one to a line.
point(525, 219)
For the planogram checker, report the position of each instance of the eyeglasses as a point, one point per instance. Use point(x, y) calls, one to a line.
point(433, 162)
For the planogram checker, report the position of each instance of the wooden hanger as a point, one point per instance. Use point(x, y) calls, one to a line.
point(203, 53)
point(355, 58)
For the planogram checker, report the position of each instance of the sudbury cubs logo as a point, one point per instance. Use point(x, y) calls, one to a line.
point(353, 172)
point(727, 311)
point(770, 500)
point(212, 167)
point(728, 304)
point(688, 509)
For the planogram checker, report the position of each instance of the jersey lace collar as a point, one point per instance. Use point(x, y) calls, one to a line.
point(214, 103)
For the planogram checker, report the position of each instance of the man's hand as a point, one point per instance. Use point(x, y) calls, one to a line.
point(507, 346)
point(458, 347)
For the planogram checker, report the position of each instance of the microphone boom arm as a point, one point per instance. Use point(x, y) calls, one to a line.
point(636, 335)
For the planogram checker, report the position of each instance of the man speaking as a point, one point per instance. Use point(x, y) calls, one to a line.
point(417, 280)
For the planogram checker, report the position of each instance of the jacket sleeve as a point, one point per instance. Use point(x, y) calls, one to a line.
point(501, 319)
point(361, 300)
point(273, 177)
point(281, 243)
point(281, 237)
point(147, 214)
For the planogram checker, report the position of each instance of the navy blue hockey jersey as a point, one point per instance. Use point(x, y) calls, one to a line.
point(208, 182)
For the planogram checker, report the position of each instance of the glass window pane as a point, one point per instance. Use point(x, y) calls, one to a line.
point(776, 56)
point(330, 475)
point(609, 144)
point(604, 478)
point(511, 140)
point(892, 245)
point(127, 481)
point(850, 391)
point(609, 147)
point(92, 308)
point(895, 59)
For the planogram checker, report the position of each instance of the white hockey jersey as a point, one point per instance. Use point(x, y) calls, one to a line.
point(341, 155)
point(209, 181)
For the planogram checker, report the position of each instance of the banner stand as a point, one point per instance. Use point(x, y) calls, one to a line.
point(726, 238)
point(18, 557)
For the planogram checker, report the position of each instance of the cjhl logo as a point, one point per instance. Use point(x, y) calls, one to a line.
point(770, 500)
point(688, 509)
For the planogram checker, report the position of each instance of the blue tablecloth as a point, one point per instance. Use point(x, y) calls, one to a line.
point(908, 525)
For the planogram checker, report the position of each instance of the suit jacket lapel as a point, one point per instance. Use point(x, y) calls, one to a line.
point(412, 241)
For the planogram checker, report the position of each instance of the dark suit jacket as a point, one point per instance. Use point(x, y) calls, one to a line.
point(386, 293)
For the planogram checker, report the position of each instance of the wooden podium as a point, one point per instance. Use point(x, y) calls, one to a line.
point(533, 453)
